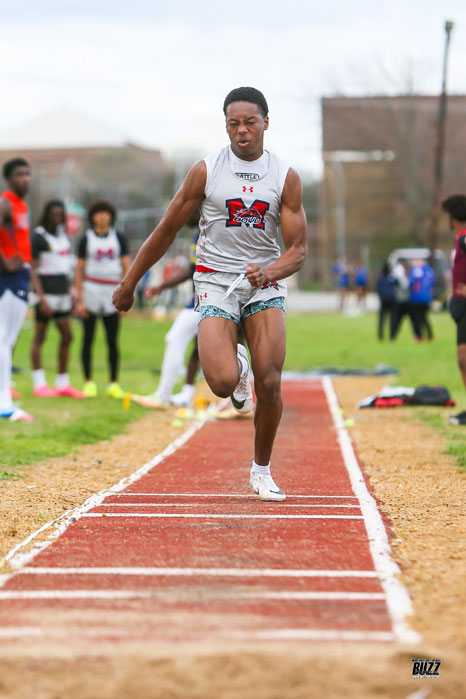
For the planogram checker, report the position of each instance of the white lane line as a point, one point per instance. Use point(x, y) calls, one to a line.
point(221, 495)
point(9, 632)
point(398, 600)
point(314, 635)
point(17, 558)
point(215, 572)
point(182, 504)
point(144, 594)
point(213, 516)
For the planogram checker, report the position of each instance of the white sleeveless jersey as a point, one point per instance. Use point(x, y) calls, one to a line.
point(57, 259)
point(103, 257)
point(240, 215)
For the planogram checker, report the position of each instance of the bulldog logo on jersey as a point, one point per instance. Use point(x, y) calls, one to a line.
point(240, 214)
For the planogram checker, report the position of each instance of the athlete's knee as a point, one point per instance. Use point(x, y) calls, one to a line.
point(223, 386)
point(66, 337)
point(268, 387)
point(462, 357)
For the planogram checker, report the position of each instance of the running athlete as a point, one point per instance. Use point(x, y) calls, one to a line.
point(455, 207)
point(245, 193)
point(15, 257)
point(183, 330)
point(103, 258)
point(51, 272)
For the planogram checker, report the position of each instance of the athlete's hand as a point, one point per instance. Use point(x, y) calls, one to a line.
point(80, 309)
point(256, 276)
point(461, 290)
point(45, 309)
point(123, 297)
point(11, 264)
point(152, 291)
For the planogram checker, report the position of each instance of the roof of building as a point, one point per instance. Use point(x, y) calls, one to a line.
point(61, 128)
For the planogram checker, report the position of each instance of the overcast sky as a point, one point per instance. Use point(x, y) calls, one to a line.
point(158, 72)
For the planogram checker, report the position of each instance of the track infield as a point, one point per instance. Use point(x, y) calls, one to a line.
point(185, 552)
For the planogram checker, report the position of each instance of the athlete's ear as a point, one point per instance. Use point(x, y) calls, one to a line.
point(266, 123)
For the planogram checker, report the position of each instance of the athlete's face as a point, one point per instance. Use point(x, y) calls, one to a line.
point(19, 180)
point(102, 220)
point(245, 127)
point(56, 216)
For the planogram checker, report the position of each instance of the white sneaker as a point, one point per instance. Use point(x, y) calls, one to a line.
point(265, 487)
point(19, 415)
point(183, 399)
point(242, 395)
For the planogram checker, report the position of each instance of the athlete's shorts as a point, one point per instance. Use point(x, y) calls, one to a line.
point(57, 316)
point(457, 309)
point(244, 301)
point(98, 298)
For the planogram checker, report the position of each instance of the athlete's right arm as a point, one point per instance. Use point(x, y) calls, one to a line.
point(183, 206)
point(10, 264)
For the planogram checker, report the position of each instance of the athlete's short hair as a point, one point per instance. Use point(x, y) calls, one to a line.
point(455, 205)
point(10, 166)
point(247, 94)
point(101, 205)
point(44, 219)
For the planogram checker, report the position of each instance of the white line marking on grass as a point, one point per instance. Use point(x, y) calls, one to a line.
point(398, 601)
point(213, 516)
point(144, 594)
point(222, 495)
point(182, 504)
point(215, 572)
point(314, 635)
point(17, 558)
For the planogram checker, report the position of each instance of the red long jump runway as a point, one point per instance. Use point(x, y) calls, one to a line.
point(188, 552)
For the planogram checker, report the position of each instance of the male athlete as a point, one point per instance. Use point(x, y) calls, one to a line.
point(455, 207)
point(15, 257)
point(244, 193)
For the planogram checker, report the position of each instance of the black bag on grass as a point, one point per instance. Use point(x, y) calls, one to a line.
point(431, 395)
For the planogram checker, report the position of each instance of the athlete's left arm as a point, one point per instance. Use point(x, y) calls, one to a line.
point(125, 263)
point(293, 225)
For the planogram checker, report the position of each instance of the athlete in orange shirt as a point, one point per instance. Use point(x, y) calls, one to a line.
point(15, 256)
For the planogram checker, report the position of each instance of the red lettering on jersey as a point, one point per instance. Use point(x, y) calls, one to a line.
point(239, 213)
point(102, 254)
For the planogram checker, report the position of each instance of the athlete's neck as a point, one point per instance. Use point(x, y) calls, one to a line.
point(250, 157)
point(101, 230)
point(458, 226)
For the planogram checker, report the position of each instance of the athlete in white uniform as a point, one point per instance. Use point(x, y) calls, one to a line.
point(240, 270)
point(51, 274)
point(103, 257)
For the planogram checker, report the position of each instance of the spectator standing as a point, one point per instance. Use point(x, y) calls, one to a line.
point(386, 288)
point(361, 280)
point(103, 258)
point(421, 293)
point(402, 306)
point(50, 275)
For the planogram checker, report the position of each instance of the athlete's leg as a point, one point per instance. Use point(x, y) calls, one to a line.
point(193, 365)
point(176, 342)
point(266, 337)
point(111, 325)
point(217, 340)
point(12, 313)
point(66, 337)
point(86, 350)
point(39, 337)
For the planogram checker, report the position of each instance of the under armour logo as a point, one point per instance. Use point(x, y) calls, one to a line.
point(248, 189)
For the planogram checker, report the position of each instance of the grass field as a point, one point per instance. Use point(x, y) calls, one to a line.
point(313, 340)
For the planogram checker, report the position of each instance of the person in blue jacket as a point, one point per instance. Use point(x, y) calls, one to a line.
point(386, 287)
point(421, 292)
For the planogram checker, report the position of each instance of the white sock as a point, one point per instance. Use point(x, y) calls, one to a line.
point(243, 365)
point(62, 381)
point(38, 378)
point(263, 470)
point(188, 390)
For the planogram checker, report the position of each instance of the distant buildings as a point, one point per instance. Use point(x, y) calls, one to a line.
point(77, 159)
point(378, 157)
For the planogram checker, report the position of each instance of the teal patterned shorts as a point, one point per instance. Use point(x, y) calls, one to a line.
point(215, 312)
